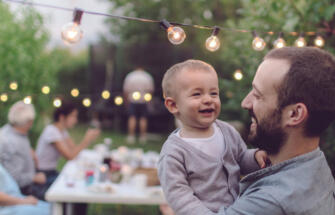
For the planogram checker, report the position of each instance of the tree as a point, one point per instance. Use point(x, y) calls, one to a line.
point(25, 60)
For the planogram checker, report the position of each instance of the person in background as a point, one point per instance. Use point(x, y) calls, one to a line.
point(12, 202)
point(55, 140)
point(135, 86)
point(16, 153)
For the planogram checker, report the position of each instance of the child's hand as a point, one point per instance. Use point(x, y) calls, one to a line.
point(261, 158)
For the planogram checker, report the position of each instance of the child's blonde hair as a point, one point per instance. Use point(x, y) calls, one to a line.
point(168, 82)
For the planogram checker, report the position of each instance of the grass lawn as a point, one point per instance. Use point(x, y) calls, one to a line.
point(154, 143)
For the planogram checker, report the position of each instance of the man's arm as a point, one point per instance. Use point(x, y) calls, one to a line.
point(256, 203)
point(179, 194)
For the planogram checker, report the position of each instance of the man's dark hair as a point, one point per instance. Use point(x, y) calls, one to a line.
point(310, 80)
point(65, 109)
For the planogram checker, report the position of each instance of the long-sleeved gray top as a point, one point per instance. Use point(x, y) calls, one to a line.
point(15, 155)
point(195, 183)
point(302, 185)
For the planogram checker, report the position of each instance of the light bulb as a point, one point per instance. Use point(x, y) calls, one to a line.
point(75, 92)
point(71, 33)
point(45, 90)
point(238, 75)
point(176, 35)
point(136, 95)
point(319, 41)
point(118, 100)
point(279, 43)
point(258, 44)
point(57, 102)
point(4, 97)
point(147, 97)
point(105, 94)
point(212, 43)
point(13, 86)
point(27, 100)
point(300, 42)
point(87, 102)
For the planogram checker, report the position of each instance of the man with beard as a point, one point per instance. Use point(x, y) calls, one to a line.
point(291, 104)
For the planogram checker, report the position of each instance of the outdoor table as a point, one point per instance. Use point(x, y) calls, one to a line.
point(60, 192)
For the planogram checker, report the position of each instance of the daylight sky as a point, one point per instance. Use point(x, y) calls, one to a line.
point(92, 25)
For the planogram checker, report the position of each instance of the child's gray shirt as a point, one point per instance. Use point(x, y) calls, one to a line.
point(196, 183)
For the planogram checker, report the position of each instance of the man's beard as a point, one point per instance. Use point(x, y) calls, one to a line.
point(269, 135)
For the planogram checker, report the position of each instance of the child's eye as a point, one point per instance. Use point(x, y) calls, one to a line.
point(196, 94)
point(214, 94)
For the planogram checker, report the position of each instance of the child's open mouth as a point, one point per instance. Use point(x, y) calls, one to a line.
point(209, 110)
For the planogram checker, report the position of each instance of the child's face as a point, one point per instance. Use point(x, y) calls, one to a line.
point(197, 98)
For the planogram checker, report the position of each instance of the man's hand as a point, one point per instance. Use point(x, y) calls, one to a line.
point(262, 158)
point(40, 178)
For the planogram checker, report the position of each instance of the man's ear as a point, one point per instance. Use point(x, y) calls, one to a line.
point(171, 105)
point(296, 114)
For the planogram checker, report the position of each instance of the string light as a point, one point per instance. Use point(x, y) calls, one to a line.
point(57, 102)
point(45, 90)
point(27, 100)
point(258, 43)
point(319, 41)
point(118, 100)
point(136, 95)
point(105, 94)
point(71, 32)
point(175, 34)
point(213, 42)
point(13, 85)
point(87, 102)
point(4, 97)
point(75, 92)
point(238, 75)
point(300, 42)
point(147, 97)
point(280, 42)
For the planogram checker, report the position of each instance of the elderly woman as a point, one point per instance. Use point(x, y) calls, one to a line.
point(13, 202)
point(16, 154)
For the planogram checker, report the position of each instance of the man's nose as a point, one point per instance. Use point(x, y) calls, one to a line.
point(246, 102)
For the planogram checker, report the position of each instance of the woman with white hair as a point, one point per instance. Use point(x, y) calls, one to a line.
point(16, 154)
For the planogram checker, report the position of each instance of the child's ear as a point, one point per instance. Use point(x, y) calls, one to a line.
point(170, 104)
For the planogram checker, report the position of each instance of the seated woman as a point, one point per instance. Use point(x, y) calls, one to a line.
point(13, 202)
point(55, 140)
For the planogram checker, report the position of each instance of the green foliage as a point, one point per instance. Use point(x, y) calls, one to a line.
point(24, 59)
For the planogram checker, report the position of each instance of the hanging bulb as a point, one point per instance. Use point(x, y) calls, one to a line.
point(258, 43)
point(175, 34)
point(319, 41)
point(13, 85)
point(280, 42)
point(105, 94)
point(4, 97)
point(75, 92)
point(87, 102)
point(238, 75)
point(300, 42)
point(57, 102)
point(118, 100)
point(27, 100)
point(45, 90)
point(71, 32)
point(213, 42)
